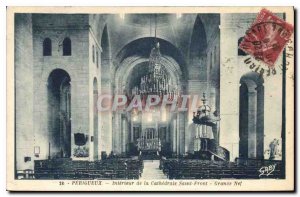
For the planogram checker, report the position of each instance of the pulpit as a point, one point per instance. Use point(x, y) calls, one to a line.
point(205, 144)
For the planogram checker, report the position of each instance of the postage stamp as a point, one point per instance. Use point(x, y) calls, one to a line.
point(150, 99)
point(267, 37)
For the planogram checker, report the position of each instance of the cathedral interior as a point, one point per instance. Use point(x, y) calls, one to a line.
point(65, 62)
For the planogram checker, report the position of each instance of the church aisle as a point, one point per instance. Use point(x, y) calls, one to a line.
point(152, 171)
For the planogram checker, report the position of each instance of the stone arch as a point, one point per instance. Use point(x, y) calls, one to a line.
point(133, 54)
point(197, 51)
point(198, 39)
point(122, 73)
point(105, 61)
point(128, 64)
point(142, 47)
point(105, 45)
point(251, 116)
point(59, 113)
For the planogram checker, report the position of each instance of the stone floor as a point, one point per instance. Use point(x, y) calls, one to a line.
point(151, 170)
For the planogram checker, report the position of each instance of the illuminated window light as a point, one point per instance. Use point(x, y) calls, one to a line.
point(134, 118)
point(122, 16)
point(149, 118)
point(164, 115)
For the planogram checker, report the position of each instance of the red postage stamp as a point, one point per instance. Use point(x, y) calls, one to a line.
point(266, 38)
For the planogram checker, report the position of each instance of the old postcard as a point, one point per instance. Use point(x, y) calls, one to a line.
point(150, 99)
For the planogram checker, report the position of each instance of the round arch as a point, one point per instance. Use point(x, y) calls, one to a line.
point(59, 113)
point(141, 47)
point(251, 116)
point(129, 63)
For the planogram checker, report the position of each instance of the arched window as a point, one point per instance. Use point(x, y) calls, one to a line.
point(93, 53)
point(67, 47)
point(47, 47)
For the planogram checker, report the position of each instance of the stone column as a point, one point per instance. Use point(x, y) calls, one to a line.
point(123, 133)
point(174, 135)
point(252, 110)
point(218, 110)
point(131, 131)
point(117, 133)
point(106, 122)
point(229, 86)
point(181, 131)
point(260, 122)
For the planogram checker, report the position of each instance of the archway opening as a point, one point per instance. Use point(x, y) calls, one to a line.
point(150, 131)
point(145, 132)
point(198, 39)
point(59, 113)
point(251, 116)
point(105, 56)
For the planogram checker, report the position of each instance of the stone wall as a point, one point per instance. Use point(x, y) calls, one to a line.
point(76, 65)
point(24, 91)
point(94, 74)
point(232, 68)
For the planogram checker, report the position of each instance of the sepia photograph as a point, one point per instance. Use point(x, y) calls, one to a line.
point(150, 99)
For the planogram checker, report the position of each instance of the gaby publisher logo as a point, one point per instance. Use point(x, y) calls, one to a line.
point(179, 103)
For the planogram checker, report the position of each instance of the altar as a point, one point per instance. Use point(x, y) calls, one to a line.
point(149, 140)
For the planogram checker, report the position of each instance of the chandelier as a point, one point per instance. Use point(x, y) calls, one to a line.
point(156, 81)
